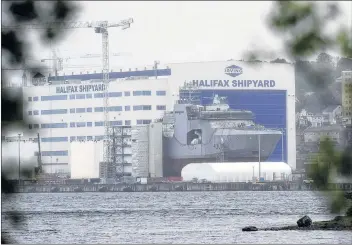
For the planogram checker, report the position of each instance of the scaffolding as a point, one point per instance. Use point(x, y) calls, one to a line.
point(107, 170)
point(220, 156)
point(121, 154)
point(189, 94)
point(121, 141)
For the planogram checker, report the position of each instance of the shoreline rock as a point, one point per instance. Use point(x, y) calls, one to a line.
point(305, 221)
point(250, 228)
point(339, 223)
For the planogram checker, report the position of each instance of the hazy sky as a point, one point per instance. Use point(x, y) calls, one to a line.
point(174, 32)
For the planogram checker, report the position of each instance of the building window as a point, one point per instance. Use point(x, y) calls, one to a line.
point(160, 93)
point(73, 138)
point(53, 97)
point(142, 93)
point(115, 94)
point(29, 98)
point(35, 125)
point(115, 108)
point(127, 122)
point(143, 121)
point(80, 96)
point(72, 124)
point(35, 98)
point(56, 111)
point(89, 137)
point(55, 139)
point(99, 124)
point(98, 109)
point(36, 113)
point(81, 138)
point(54, 125)
point(80, 124)
point(127, 93)
point(30, 113)
point(80, 110)
point(72, 110)
point(161, 107)
point(98, 95)
point(89, 124)
point(89, 109)
point(115, 123)
point(54, 153)
point(100, 137)
point(72, 96)
point(30, 126)
point(127, 108)
point(89, 96)
point(137, 107)
point(142, 107)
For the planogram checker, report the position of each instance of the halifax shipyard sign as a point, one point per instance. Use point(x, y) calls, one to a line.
point(234, 71)
point(80, 88)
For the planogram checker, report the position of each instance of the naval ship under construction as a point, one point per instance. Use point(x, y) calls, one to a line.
point(195, 133)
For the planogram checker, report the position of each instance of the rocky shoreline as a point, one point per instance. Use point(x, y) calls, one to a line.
point(339, 223)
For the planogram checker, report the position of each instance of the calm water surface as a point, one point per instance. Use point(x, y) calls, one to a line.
point(178, 217)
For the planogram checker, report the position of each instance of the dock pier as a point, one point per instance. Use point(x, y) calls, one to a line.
point(170, 187)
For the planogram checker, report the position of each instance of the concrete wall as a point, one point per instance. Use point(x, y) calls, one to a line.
point(155, 150)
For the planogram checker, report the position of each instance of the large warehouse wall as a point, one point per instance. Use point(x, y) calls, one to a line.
point(264, 88)
point(85, 158)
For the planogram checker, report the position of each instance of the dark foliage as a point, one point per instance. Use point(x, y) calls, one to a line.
point(278, 60)
point(304, 30)
point(14, 44)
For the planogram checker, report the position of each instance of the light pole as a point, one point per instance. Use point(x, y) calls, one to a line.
point(19, 159)
point(259, 154)
point(282, 144)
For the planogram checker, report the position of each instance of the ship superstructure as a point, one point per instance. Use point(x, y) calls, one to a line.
point(196, 133)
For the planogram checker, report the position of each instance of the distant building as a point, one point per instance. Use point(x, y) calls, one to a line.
point(333, 113)
point(336, 90)
point(347, 121)
point(347, 93)
point(312, 119)
point(335, 132)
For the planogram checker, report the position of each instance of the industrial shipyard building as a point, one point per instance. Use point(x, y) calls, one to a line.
point(163, 120)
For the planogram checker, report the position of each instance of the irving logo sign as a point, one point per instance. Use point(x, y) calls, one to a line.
point(233, 71)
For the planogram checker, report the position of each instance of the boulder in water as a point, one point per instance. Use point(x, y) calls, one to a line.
point(250, 228)
point(305, 221)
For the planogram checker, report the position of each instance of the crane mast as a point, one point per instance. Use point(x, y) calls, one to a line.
point(105, 55)
point(100, 27)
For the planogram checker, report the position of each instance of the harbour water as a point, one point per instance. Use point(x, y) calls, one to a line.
point(168, 217)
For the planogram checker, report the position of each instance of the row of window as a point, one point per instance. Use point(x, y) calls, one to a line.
point(96, 109)
point(95, 95)
point(52, 153)
point(72, 138)
point(86, 124)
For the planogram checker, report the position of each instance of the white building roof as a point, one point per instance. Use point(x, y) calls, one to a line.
point(234, 171)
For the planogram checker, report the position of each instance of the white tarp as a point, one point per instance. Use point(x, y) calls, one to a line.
point(235, 171)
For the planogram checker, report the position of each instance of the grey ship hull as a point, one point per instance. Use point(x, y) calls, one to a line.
point(191, 136)
point(237, 146)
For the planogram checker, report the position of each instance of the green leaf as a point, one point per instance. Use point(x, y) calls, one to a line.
point(345, 43)
point(290, 13)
